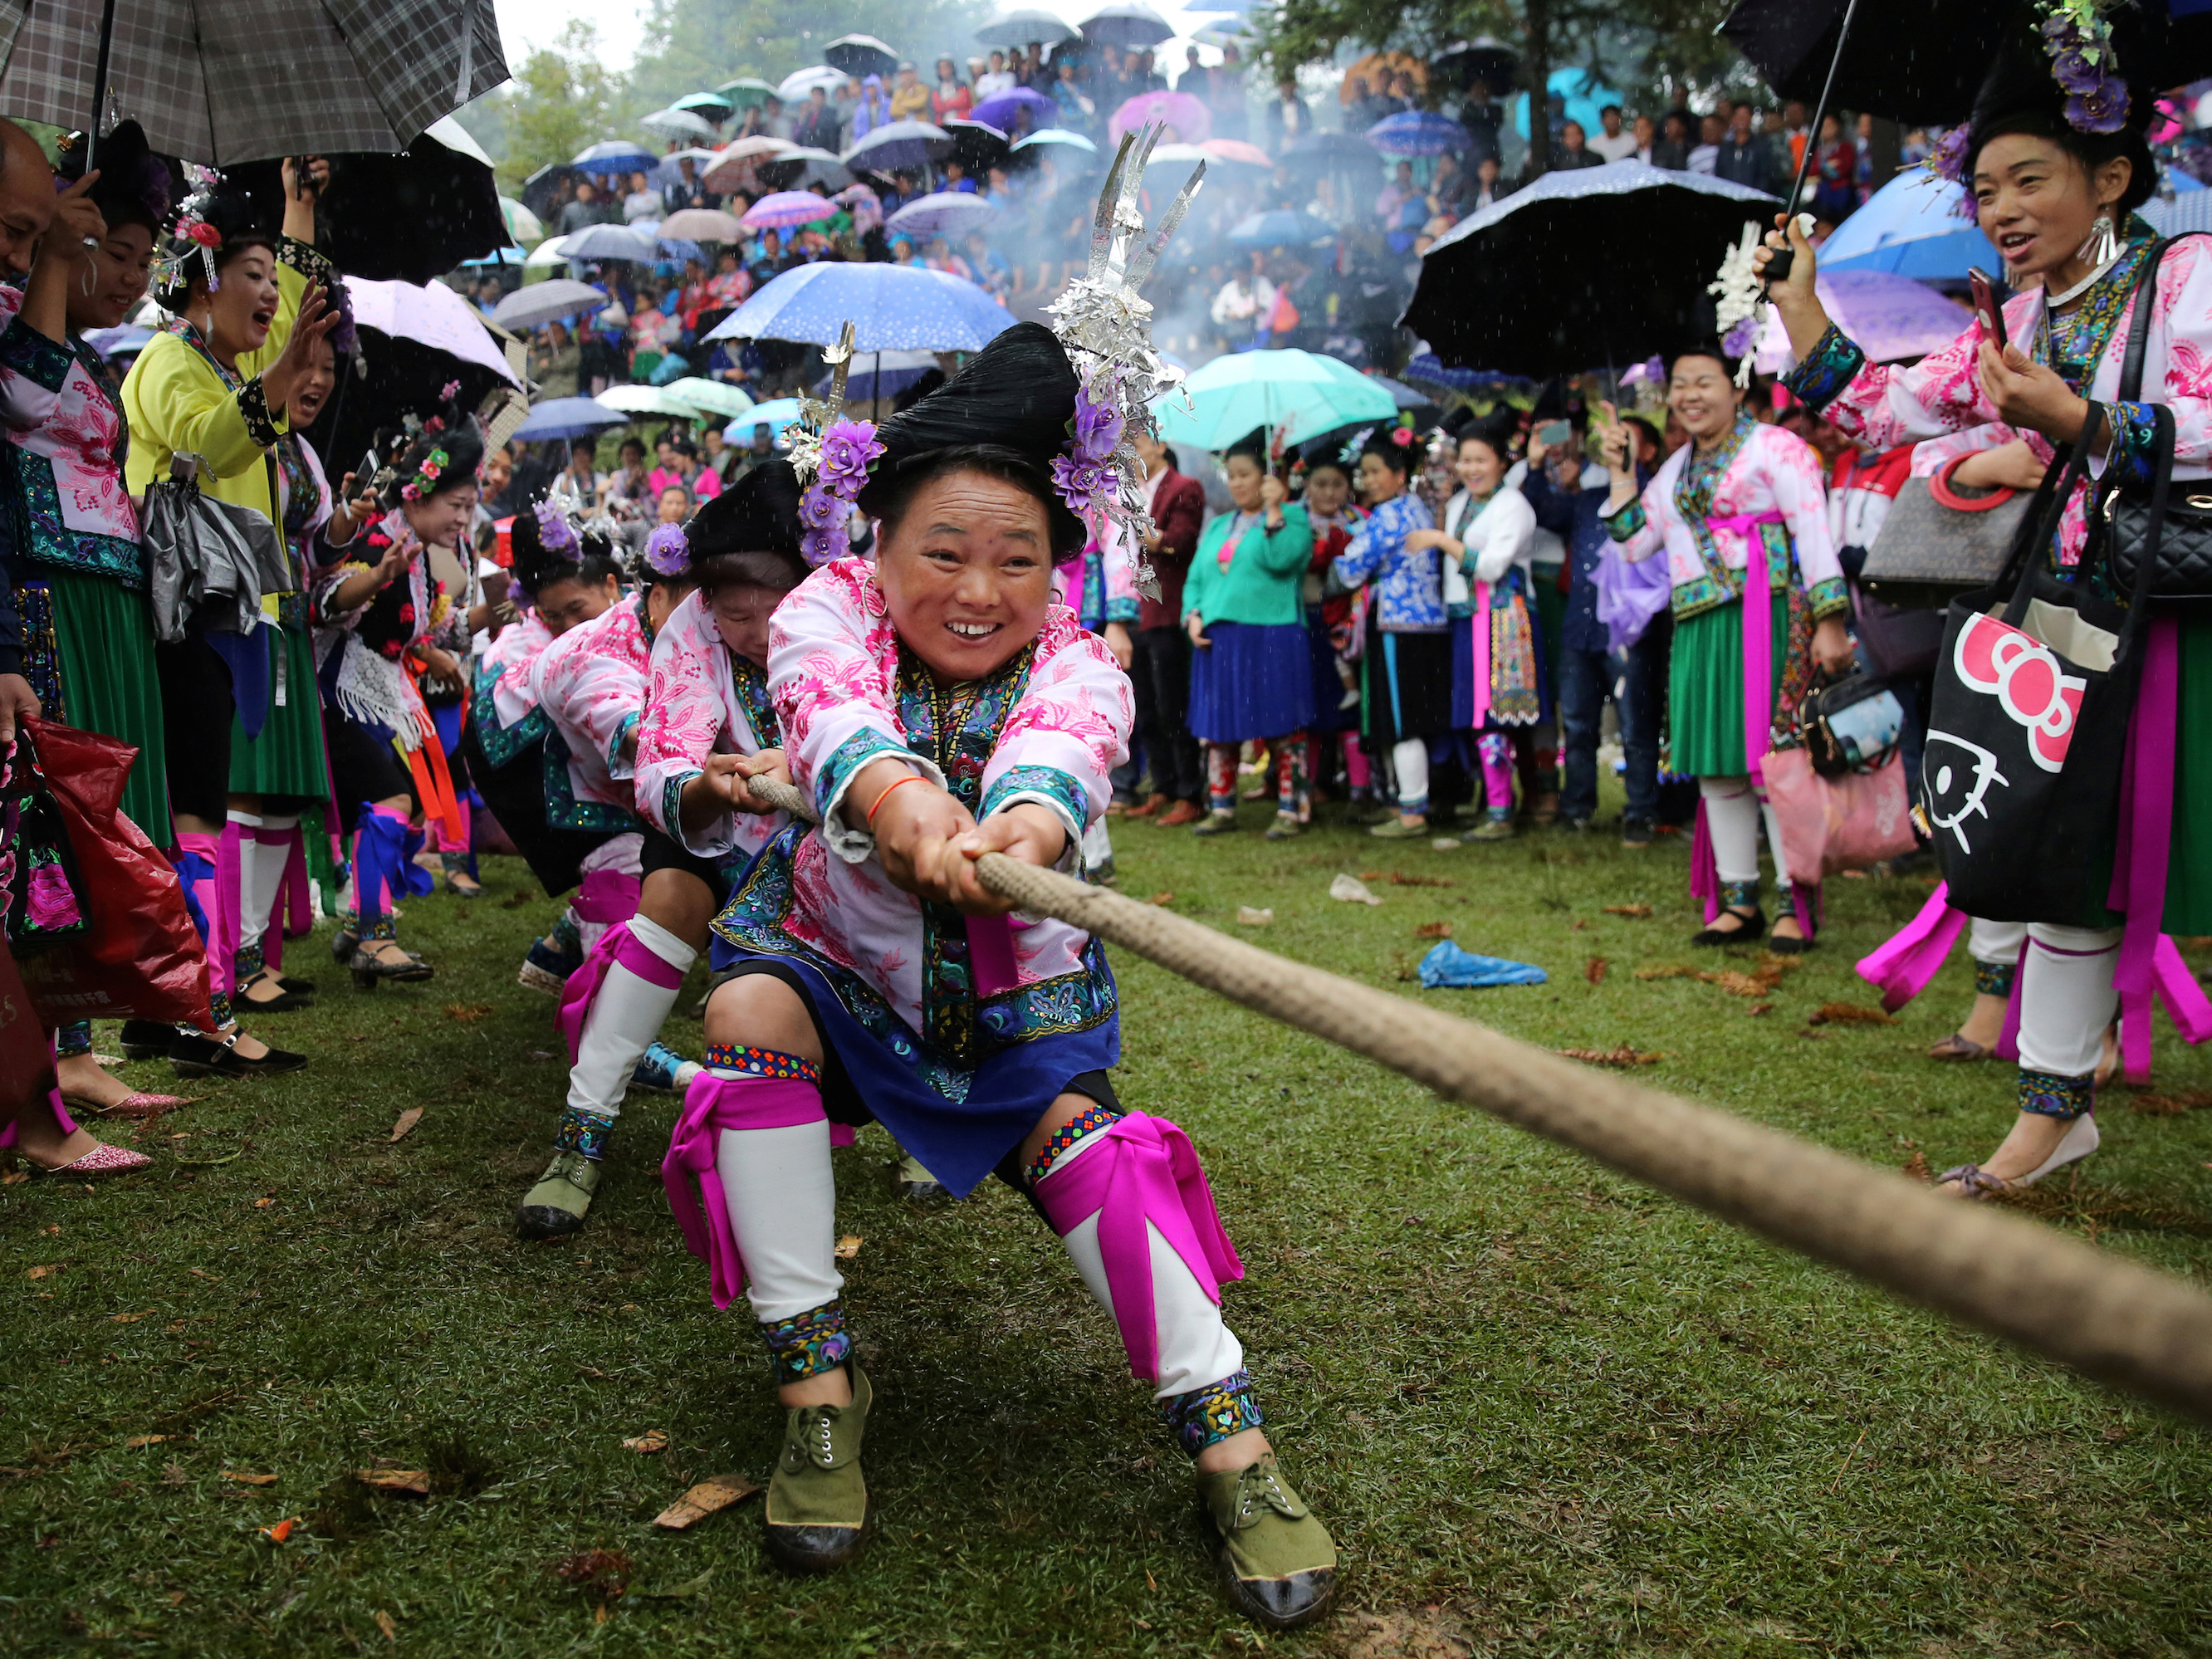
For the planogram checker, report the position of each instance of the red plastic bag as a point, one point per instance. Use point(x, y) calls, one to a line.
point(142, 958)
point(27, 1054)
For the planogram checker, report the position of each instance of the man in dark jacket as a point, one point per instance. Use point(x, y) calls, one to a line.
point(1568, 504)
point(1160, 668)
point(1746, 157)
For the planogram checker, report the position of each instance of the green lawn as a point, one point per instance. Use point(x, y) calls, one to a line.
point(1544, 1411)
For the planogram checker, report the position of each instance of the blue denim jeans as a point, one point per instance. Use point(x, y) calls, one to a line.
point(1587, 678)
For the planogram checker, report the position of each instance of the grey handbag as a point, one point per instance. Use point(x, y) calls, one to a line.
point(2182, 550)
point(1940, 541)
point(207, 561)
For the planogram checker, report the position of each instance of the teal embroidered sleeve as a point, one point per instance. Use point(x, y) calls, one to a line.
point(1121, 610)
point(2133, 459)
point(845, 764)
point(1835, 362)
point(45, 363)
point(620, 765)
point(671, 805)
point(1057, 791)
point(1624, 525)
point(1828, 598)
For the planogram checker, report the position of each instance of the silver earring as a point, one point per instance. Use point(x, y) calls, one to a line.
point(2104, 244)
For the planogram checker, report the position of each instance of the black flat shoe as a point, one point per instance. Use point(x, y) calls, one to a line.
point(369, 969)
point(147, 1039)
point(298, 987)
point(343, 945)
point(1753, 926)
point(194, 1055)
point(1783, 945)
point(283, 1002)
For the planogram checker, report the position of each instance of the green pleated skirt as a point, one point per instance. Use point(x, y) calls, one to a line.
point(287, 758)
point(1704, 689)
point(2189, 864)
point(104, 637)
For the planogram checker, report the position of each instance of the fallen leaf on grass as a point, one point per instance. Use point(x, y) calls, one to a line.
point(522, 896)
point(49, 1268)
point(2158, 1105)
point(248, 1478)
point(1578, 926)
point(383, 1622)
point(1250, 916)
point(1847, 1013)
point(1759, 1008)
point(1399, 879)
point(468, 1013)
point(1595, 971)
point(703, 1500)
point(1624, 1055)
point(130, 1319)
point(1739, 985)
point(606, 1571)
point(1668, 970)
point(137, 1440)
point(263, 1203)
point(1433, 930)
point(1917, 1168)
point(652, 1441)
point(1160, 899)
point(407, 1120)
point(397, 1483)
point(1635, 912)
point(282, 1530)
point(15, 1177)
point(1351, 890)
point(849, 1247)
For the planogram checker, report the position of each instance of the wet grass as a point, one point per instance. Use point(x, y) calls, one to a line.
point(1544, 1411)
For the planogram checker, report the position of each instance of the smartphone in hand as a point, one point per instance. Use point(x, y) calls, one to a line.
point(1985, 305)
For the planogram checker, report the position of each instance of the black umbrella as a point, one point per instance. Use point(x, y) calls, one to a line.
point(1922, 61)
point(861, 56)
point(977, 145)
point(1323, 152)
point(1607, 265)
point(541, 189)
point(407, 217)
point(1486, 58)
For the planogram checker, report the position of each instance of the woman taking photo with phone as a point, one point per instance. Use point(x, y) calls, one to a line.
point(2055, 177)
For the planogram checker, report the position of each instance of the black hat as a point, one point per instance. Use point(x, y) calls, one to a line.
point(212, 224)
point(134, 186)
point(749, 535)
point(1014, 400)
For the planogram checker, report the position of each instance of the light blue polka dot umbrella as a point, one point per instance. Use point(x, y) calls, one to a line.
point(891, 307)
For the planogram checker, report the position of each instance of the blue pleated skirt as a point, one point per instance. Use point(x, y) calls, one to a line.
point(1254, 681)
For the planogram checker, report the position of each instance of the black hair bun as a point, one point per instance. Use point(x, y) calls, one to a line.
point(134, 186)
point(2020, 94)
point(749, 536)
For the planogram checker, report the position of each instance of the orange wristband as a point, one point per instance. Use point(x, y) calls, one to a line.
point(911, 777)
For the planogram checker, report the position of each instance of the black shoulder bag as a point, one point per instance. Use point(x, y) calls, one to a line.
point(2181, 560)
point(2028, 727)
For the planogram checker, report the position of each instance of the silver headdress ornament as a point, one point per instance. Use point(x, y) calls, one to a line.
point(1105, 326)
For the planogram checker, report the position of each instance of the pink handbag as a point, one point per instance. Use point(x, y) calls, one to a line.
point(1843, 823)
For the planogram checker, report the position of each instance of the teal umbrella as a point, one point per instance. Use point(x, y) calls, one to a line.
point(1234, 395)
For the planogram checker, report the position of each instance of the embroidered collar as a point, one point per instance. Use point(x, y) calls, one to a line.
point(2074, 345)
point(187, 331)
point(1702, 473)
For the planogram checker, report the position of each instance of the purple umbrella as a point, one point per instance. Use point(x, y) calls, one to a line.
point(1000, 111)
point(1191, 119)
point(785, 208)
point(1892, 319)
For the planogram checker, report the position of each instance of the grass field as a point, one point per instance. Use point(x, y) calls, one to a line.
point(1544, 1411)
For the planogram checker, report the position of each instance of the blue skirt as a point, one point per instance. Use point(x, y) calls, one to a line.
point(1254, 681)
point(1327, 689)
point(891, 1073)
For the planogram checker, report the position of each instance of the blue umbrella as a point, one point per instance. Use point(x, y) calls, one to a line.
point(2188, 213)
point(109, 342)
point(1416, 133)
point(891, 307)
point(1282, 228)
point(778, 412)
point(1430, 370)
point(567, 417)
point(880, 374)
point(616, 155)
point(1911, 227)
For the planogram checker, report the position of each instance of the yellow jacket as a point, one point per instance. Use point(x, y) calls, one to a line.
point(178, 399)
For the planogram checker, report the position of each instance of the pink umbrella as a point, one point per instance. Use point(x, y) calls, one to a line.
point(434, 316)
point(733, 168)
point(1236, 149)
point(785, 208)
point(1892, 319)
point(1190, 119)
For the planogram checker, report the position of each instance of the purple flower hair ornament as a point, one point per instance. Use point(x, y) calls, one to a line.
point(840, 470)
point(668, 550)
point(555, 533)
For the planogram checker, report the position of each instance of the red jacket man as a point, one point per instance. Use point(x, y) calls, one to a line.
point(1160, 669)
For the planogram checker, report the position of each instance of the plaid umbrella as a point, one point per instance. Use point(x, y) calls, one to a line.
point(252, 79)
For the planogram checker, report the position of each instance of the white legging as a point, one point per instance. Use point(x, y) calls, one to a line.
point(1997, 942)
point(1732, 814)
point(2066, 998)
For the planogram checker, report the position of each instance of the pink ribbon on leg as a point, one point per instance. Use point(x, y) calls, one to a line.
point(1148, 1172)
point(616, 945)
point(1901, 967)
point(2145, 843)
point(711, 1105)
point(1480, 639)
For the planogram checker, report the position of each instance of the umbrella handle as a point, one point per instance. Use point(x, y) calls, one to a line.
point(1780, 260)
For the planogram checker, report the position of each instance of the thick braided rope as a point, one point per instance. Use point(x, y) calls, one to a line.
point(2124, 1324)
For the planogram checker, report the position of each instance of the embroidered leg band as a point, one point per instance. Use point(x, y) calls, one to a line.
point(583, 1132)
point(808, 1344)
point(1205, 1417)
point(73, 1039)
point(1740, 895)
point(2049, 1094)
point(757, 1142)
point(1994, 979)
point(1132, 1205)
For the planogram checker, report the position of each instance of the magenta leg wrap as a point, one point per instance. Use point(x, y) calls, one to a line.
point(711, 1104)
point(617, 945)
point(1902, 966)
point(1145, 1170)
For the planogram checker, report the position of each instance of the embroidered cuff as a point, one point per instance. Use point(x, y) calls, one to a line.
point(831, 784)
point(1626, 523)
point(2132, 459)
point(1205, 1417)
point(45, 363)
point(1121, 610)
point(618, 767)
point(808, 1344)
point(1835, 362)
point(310, 262)
point(1058, 792)
point(1828, 598)
point(253, 409)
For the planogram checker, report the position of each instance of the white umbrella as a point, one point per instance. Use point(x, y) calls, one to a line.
point(646, 400)
point(547, 254)
point(431, 315)
point(546, 302)
point(1025, 25)
point(521, 224)
point(733, 165)
point(704, 225)
point(1126, 23)
point(713, 396)
point(804, 161)
point(794, 87)
point(942, 213)
point(677, 123)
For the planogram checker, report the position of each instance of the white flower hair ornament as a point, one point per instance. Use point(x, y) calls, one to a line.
point(1740, 310)
point(1104, 325)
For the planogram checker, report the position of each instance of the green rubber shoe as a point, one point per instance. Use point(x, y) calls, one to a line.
point(556, 1205)
point(1278, 1562)
point(817, 1500)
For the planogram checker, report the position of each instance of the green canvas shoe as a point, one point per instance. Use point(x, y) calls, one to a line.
point(556, 1205)
point(818, 1501)
point(1278, 1562)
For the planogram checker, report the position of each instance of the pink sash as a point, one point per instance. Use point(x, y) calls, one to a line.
point(1901, 967)
point(991, 955)
point(712, 1104)
point(1481, 639)
point(617, 945)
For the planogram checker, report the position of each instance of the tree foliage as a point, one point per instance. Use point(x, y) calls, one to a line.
point(692, 46)
point(562, 98)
